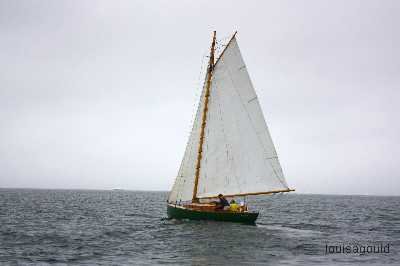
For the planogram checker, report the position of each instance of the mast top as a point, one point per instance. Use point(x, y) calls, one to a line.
point(226, 46)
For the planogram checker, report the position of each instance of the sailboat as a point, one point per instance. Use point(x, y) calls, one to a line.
point(230, 150)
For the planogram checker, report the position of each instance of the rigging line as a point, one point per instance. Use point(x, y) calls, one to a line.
point(222, 43)
point(252, 124)
point(198, 88)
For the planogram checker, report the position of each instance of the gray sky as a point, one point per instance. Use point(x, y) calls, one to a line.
point(100, 94)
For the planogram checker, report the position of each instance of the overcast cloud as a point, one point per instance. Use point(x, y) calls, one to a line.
point(100, 94)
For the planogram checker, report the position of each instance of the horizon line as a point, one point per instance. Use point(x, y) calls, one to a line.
point(158, 190)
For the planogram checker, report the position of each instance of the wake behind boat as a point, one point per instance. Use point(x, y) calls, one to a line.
point(230, 150)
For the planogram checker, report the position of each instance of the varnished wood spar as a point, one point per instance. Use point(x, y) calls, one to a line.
point(204, 118)
point(223, 51)
point(251, 194)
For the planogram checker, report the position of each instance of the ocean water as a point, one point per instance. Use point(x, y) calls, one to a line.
point(78, 227)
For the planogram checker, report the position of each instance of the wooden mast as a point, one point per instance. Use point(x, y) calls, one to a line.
point(204, 118)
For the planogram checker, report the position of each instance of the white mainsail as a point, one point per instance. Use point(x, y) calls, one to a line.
point(238, 156)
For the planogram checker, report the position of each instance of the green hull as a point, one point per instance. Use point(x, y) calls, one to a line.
point(178, 212)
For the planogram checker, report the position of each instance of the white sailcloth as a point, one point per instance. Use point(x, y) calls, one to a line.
point(238, 154)
point(182, 189)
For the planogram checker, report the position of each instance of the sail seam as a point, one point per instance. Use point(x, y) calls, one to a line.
point(252, 99)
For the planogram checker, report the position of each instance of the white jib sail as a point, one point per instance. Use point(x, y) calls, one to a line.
point(182, 189)
point(238, 154)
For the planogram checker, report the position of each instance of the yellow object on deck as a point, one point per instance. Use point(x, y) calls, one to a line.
point(234, 207)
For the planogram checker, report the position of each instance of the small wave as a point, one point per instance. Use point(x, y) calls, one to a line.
point(292, 231)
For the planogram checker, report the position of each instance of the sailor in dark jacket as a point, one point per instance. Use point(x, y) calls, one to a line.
point(222, 202)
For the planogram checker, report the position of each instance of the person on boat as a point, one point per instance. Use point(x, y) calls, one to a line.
point(222, 203)
point(233, 206)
